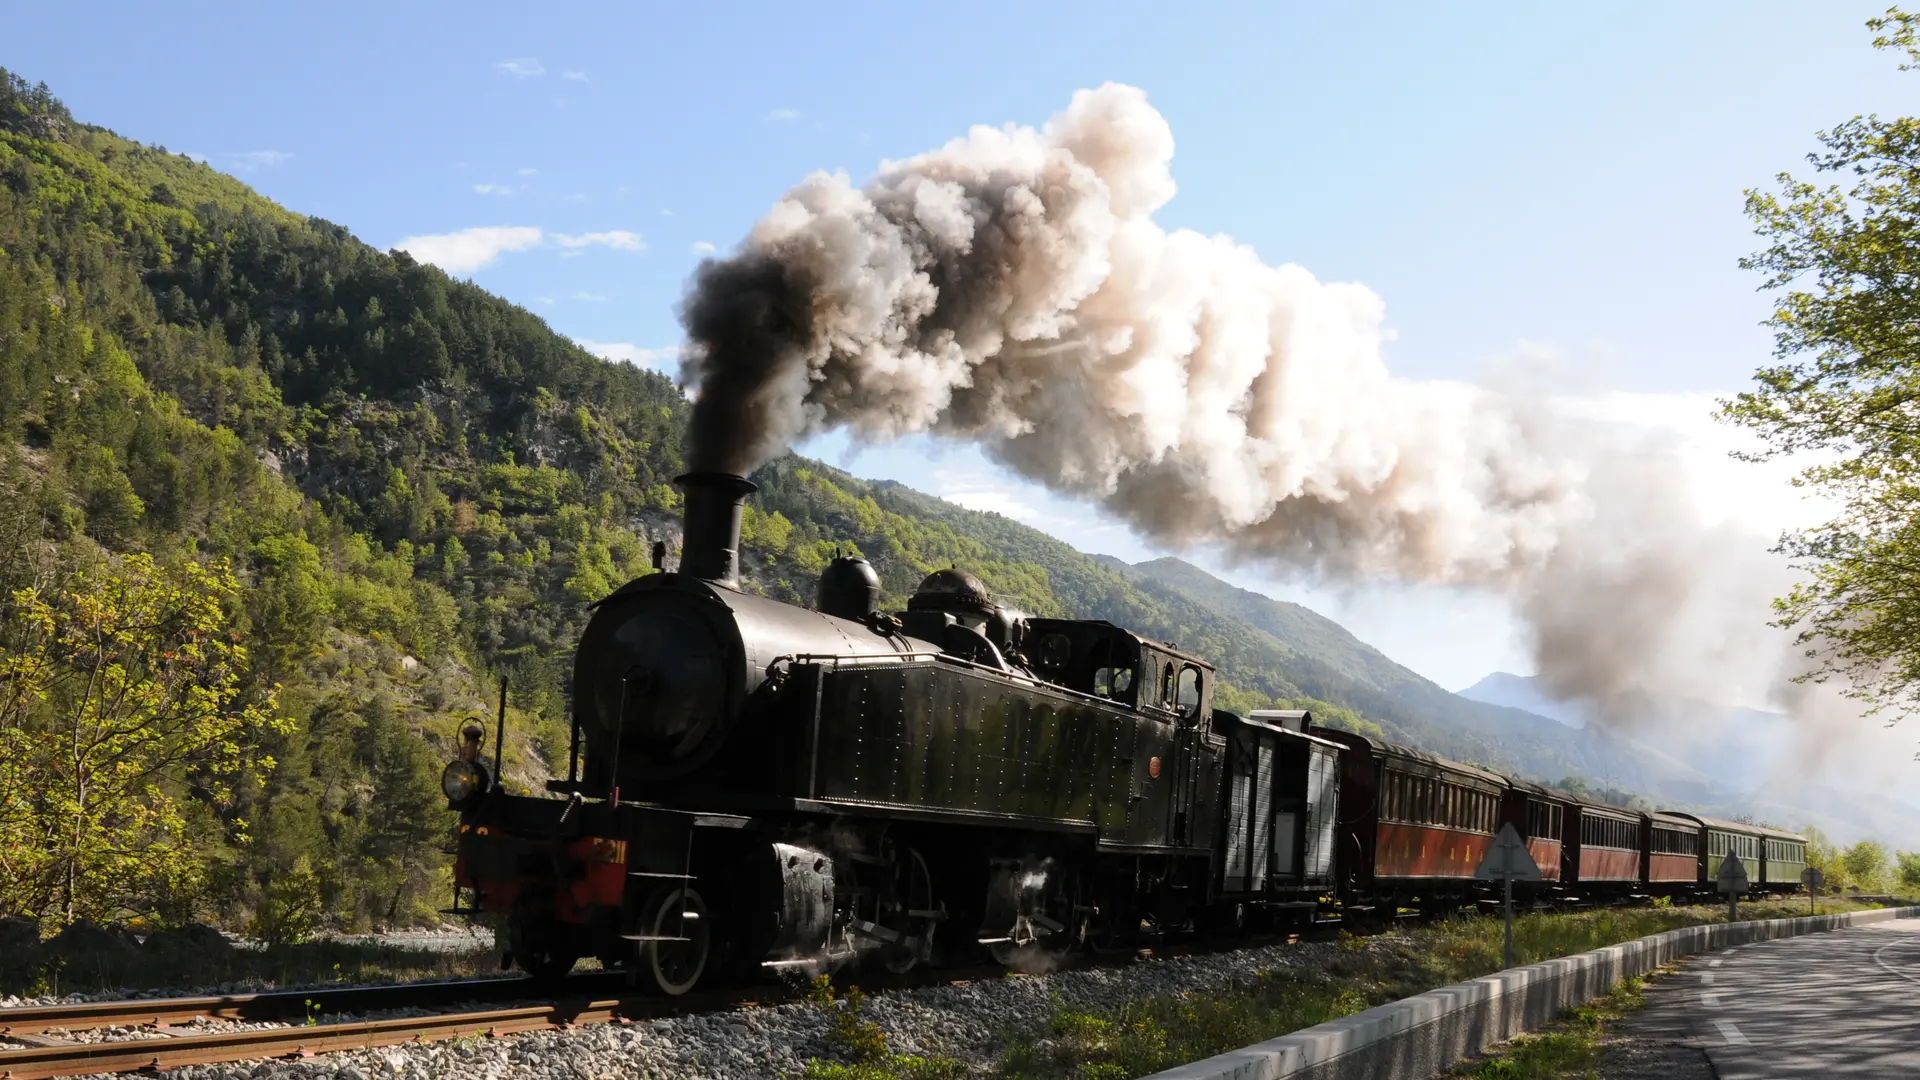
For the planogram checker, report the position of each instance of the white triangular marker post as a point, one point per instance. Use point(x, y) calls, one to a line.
point(1507, 861)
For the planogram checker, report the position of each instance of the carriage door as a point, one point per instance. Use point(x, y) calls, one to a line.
point(1323, 806)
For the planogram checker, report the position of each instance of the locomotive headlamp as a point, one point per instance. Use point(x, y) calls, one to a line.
point(461, 780)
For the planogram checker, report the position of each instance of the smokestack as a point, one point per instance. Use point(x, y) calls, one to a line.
point(710, 525)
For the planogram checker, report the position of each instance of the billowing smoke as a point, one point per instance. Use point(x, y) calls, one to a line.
point(1012, 289)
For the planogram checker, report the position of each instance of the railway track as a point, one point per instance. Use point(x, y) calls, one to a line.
point(169, 1036)
point(167, 1033)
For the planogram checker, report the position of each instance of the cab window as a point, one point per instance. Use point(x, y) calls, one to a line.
point(1189, 691)
point(1113, 682)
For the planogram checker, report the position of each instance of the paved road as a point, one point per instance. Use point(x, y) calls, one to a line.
point(1839, 1004)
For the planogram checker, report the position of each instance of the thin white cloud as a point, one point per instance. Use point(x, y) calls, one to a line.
point(473, 249)
point(470, 249)
point(548, 300)
point(521, 67)
point(529, 172)
point(200, 159)
point(663, 212)
point(492, 189)
point(576, 197)
point(574, 76)
point(781, 116)
point(626, 352)
point(590, 297)
point(255, 160)
point(702, 247)
point(617, 239)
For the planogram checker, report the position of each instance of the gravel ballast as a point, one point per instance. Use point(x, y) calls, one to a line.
point(969, 1022)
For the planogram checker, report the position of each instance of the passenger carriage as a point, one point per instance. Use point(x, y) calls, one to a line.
point(1539, 815)
point(1718, 838)
point(1601, 857)
point(1783, 857)
point(1413, 827)
point(1672, 863)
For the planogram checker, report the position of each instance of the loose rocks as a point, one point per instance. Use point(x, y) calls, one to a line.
point(969, 1022)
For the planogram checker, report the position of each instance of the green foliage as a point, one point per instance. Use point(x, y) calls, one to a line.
point(1571, 1047)
point(862, 1046)
point(1869, 865)
point(892, 1067)
point(1150, 1034)
point(290, 906)
point(412, 481)
point(163, 963)
point(1846, 387)
point(1865, 866)
point(1909, 871)
point(125, 708)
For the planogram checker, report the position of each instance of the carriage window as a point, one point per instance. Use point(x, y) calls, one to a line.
point(1189, 691)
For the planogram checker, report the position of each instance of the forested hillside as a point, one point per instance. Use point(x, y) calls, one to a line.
point(276, 509)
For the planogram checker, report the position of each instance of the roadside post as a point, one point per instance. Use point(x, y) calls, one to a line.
point(1732, 880)
point(1508, 861)
point(1813, 879)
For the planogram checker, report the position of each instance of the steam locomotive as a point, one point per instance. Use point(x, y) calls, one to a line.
point(768, 786)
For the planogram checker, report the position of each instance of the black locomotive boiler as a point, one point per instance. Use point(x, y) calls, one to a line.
point(768, 785)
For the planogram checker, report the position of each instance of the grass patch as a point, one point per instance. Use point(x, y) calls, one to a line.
point(861, 1046)
point(1148, 1034)
point(1570, 1047)
point(110, 965)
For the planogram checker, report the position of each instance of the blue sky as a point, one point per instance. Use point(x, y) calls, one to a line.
point(1550, 178)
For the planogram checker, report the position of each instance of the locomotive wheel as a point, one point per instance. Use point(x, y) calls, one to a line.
point(534, 946)
point(915, 915)
point(675, 939)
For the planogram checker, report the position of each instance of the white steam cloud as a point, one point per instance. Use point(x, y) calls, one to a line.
point(1013, 289)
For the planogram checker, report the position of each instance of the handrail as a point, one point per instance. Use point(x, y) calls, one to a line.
point(836, 659)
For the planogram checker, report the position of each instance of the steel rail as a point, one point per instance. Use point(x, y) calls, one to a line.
point(52, 1057)
point(285, 1004)
point(173, 1051)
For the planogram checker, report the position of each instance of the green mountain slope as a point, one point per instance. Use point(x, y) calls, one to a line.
point(415, 486)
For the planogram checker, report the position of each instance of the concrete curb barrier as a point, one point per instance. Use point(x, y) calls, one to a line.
point(1418, 1037)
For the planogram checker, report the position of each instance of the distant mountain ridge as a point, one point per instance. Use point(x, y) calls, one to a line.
point(1740, 751)
point(1521, 692)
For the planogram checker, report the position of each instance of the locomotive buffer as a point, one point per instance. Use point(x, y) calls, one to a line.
point(1508, 861)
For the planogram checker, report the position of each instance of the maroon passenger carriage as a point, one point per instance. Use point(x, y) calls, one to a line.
point(1671, 866)
point(1539, 815)
point(1601, 858)
point(1413, 827)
